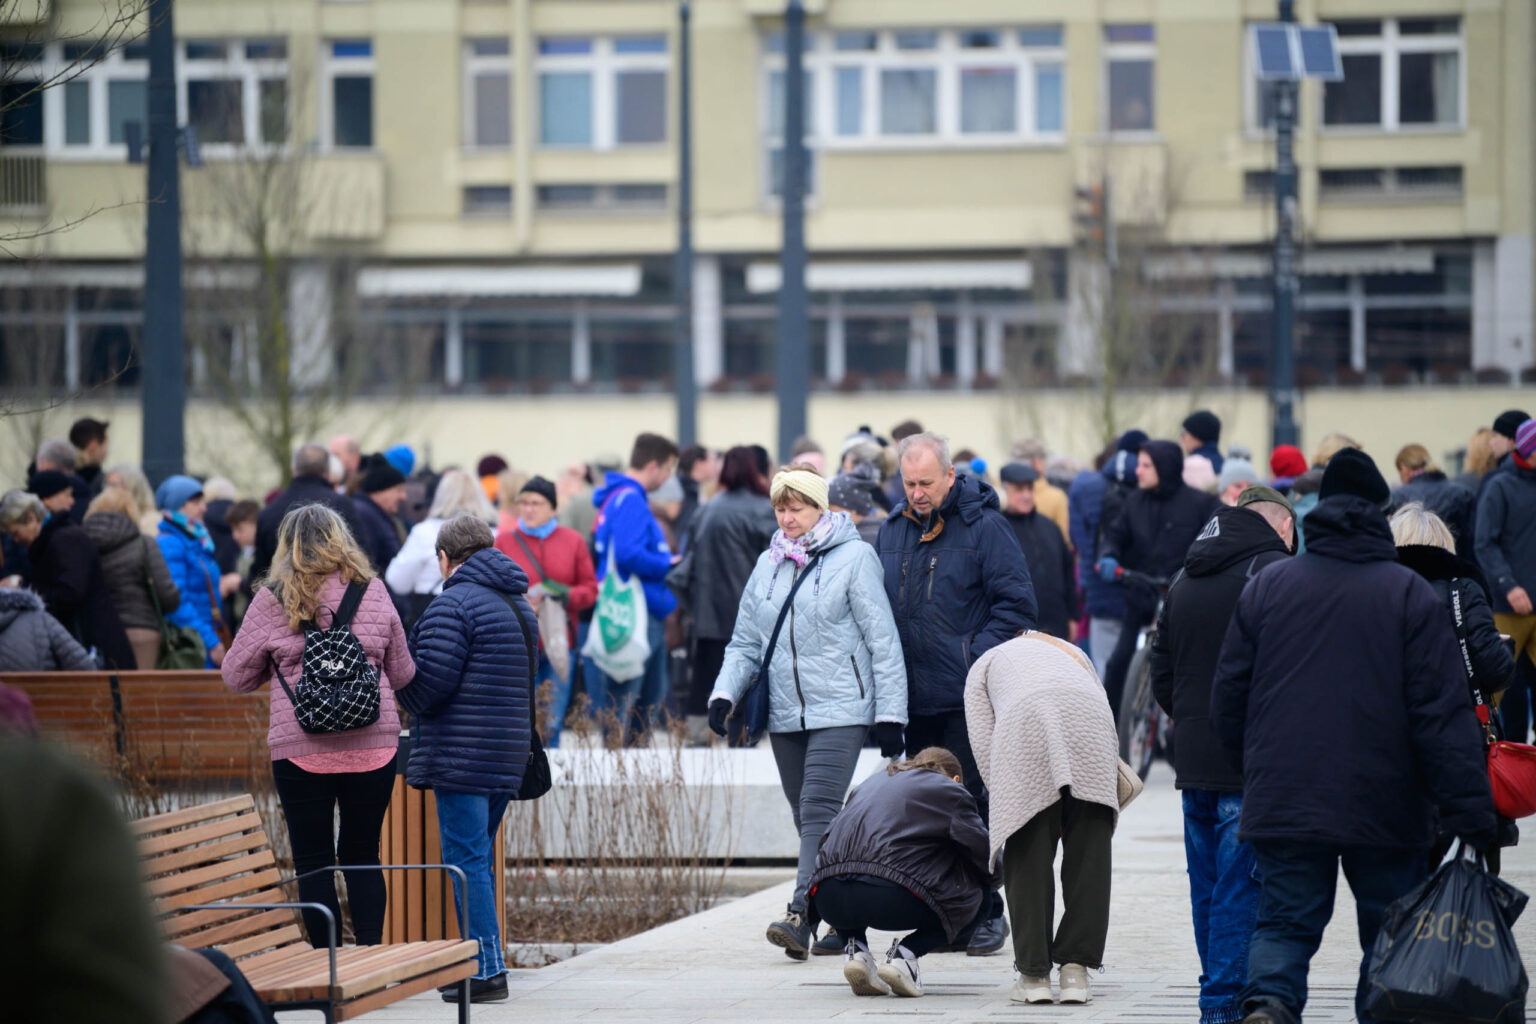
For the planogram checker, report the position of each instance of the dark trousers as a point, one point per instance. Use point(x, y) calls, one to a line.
point(947, 730)
point(852, 904)
point(1085, 831)
point(1298, 881)
point(708, 656)
point(1515, 704)
point(309, 801)
point(1137, 617)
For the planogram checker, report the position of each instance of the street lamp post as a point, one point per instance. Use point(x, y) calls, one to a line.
point(1282, 383)
point(794, 379)
point(686, 384)
point(162, 366)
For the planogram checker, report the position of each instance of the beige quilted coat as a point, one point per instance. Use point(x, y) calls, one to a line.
point(1039, 723)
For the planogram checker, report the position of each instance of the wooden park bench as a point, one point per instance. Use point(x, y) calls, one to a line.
point(215, 883)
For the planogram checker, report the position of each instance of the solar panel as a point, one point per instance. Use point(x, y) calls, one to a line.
point(1273, 57)
point(1320, 52)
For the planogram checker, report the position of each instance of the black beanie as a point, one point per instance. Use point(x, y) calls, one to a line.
point(45, 483)
point(379, 475)
point(546, 490)
point(1509, 422)
point(1204, 425)
point(1354, 473)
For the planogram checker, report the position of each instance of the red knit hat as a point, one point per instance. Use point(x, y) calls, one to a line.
point(1287, 460)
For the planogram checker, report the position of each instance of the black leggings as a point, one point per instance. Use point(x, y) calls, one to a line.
point(309, 802)
point(852, 904)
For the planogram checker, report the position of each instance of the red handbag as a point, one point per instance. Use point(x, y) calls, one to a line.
point(1512, 774)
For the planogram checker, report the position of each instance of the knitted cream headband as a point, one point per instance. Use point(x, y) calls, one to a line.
point(812, 485)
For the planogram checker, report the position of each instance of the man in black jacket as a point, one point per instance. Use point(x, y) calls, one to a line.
point(1045, 552)
point(1150, 534)
point(1236, 543)
point(1339, 694)
point(958, 586)
point(309, 487)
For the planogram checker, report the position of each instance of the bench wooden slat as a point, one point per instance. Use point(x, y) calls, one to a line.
point(413, 986)
point(359, 969)
point(180, 859)
point(191, 920)
point(260, 942)
point(257, 923)
point(223, 891)
point(222, 829)
point(192, 879)
point(202, 812)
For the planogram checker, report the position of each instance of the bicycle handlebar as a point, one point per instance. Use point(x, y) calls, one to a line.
point(1124, 575)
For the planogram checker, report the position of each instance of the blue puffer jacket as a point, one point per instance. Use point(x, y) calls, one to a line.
point(956, 595)
point(196, 576)
point(639, 546)
point(838, 659)
point(471, 694)
point(1085, 510)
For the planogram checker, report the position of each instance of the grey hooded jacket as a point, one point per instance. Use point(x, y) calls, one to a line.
point(838, 660)
point(31, 640)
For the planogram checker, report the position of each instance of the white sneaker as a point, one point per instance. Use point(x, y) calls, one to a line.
point(1074, 984)
point(900, 971)
point(860, 972)
point(1031, 988)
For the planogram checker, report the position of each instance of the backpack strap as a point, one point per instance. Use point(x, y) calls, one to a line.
point(533, 662)
point(348, 607)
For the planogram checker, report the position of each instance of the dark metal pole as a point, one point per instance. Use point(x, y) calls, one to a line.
point(794, 375)
point(162, 352)
point(686, 384)
point(1282, 378)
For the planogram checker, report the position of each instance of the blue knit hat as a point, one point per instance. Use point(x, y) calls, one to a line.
point(176, 491)
point(402, 458)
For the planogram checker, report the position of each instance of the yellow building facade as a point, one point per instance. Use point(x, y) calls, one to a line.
point(497, 178)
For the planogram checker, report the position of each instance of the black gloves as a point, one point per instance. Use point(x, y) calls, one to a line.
point(719, 711)
point(888, 738)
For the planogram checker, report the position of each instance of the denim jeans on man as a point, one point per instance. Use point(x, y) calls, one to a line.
point(632, 703)
point(1224, 895)
point(559, 696)
point(467, 823)
point(1298, 881)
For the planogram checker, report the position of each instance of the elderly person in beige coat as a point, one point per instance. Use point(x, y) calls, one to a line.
point(1045, 744)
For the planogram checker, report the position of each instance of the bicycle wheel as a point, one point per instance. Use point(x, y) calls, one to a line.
point(1138, 716)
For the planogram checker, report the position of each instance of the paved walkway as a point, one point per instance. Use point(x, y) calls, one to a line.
point(716, 966)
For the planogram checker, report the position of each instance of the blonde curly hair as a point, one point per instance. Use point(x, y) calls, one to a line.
point(313, 543)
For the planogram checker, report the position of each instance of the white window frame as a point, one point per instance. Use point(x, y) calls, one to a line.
point(1390, 46)
point(948, 59)
point(475, 64)
point(333, 67)
point(604, 65)
point(237, 67)
point(1110, 53)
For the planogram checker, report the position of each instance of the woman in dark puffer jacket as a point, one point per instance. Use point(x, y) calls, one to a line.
point(31, 640)
point(129, 562)
point(472, 696)
point(1426, 545)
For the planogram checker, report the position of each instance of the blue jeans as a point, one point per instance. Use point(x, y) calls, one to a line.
point(632, 702)
point(1298, 881)
point(559, 696)
point(467, 823)
point(1224, 895)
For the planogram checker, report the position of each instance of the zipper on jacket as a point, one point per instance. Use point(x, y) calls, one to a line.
point(794, 655)
point(933, 564)
point(901, 591)
point(857, 677)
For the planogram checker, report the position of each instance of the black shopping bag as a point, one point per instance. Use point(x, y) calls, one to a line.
point(1446, 953)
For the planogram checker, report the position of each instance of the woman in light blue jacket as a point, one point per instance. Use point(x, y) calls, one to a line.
point(835, 670)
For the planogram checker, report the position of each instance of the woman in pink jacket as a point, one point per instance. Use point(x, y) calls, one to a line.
point(315, 772)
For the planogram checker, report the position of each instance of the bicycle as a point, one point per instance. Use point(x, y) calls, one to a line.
point(1145, 730)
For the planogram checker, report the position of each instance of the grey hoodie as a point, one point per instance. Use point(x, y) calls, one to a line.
point(838, 659)
point(31, 640)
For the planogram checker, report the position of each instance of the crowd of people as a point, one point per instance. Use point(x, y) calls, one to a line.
point(884, 593)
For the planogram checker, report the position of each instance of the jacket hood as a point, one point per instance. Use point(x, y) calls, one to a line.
point(15, 601)
point(1233, 535)
point(1350, 529)
point(1169, 460)
point(1121, 469)
point(970, 497)
point(846, 532)
point(490, 568)
point(1435, 563)
point(110, 530)
point(1309, 482)
point(613, 483)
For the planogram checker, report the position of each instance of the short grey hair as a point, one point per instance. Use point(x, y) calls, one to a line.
point(1030, 449)
point(1415, 524)
point(220, 488)
point(462, 536)
point(927, 441)
point(18, 506)
point(56, 453)
point(310, 460)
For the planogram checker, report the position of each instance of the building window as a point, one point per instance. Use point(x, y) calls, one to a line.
point(492, 201)
point(636, 197)
point(233, 92)
point(1400, 183)
point(602, 93)
point(488, 93)
point(1130, 55)
point(347, 100)
point(21, 94)
point(1399, 74)
point(904, 88)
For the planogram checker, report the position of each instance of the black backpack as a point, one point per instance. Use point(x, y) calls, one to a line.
point(338, 689)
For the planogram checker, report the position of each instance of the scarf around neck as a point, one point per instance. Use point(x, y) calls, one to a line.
point(197, 531)
point(800, 549)
point(542, 533)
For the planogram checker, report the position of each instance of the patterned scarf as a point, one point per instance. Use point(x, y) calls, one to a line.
point(197, 531)
point(800, 549)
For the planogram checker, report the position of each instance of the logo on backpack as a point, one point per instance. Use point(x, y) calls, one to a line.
point(338, 689)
